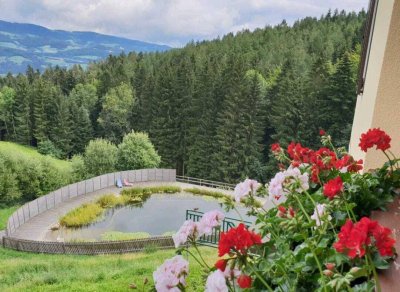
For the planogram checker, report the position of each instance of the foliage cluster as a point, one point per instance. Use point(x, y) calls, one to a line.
point(211, 108)
point(26, 175)
point(134, 152)
point(317, 236)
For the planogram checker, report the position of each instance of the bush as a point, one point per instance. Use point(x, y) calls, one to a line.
point(79, 171)
point(100, 157)
point(137, 152)
point(9, 190)
point(83, 215)
point(48, 148)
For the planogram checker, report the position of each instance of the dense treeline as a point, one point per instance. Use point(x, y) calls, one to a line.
point(212, 108)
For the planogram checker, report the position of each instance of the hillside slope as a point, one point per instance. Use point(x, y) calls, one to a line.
point(27, 44)
point(9, 148)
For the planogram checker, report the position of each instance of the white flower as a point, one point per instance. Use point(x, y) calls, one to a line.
point(189, 228)
point(275, 188)
point(319, 214)
point(209, 221)
point(279, 185)
point(244, 188)
point(170, 274)
point(216, 282)
point(294, 175)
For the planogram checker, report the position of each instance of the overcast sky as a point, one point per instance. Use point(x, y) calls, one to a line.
point(172, 22)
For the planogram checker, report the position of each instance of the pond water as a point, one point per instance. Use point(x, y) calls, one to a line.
point(158, 215)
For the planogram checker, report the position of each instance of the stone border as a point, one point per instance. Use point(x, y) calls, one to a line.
point(53, 199)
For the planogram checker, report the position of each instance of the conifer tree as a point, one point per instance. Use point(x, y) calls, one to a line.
point(339, 102)
point(23, 109)
point(287, 107)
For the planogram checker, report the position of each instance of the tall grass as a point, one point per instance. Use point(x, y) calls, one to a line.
point(83, 215)
point(218, 195)
point(147, 191)
point(5, 213)
point(204, 192)
point(111, 201)
point(23, 271)
point(117, 235)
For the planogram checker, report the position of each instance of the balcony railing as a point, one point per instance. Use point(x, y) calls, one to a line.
point(204, 182)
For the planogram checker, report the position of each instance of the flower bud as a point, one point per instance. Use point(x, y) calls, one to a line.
point(354, 270)
point(328, 273)
point(330, 266)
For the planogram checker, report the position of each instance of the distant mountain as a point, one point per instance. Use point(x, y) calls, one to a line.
point(28, 44)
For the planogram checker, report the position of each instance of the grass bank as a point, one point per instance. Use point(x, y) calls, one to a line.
point(27, 152)
point(5, 213)
point(40, 272)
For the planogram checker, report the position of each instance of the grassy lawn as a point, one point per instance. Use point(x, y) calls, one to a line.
point(4, 214)
point(31, 153)
point(40, 272)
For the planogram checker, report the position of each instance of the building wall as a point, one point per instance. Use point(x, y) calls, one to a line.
point(379, 105)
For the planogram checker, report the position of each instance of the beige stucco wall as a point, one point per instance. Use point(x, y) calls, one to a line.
point(379, 105)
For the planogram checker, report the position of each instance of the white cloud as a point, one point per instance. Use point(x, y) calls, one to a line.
point(166, 21)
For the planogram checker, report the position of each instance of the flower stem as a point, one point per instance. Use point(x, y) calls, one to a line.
point(199, 253)
point(261, 279)
point(371, 263)
point(314, 203)
point(390, 160)
point(196, 259)
point(318, 264)
point(302, 209)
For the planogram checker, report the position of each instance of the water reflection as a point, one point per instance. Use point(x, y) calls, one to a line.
point(160, 214)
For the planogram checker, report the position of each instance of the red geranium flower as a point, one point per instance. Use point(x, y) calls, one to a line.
point(238, 239)
point(333, 187)
point(275, 147)
point(299, 154)
point(348, 162)
point(375, 137)
point(221, 264)
point(322, 160)
point(322, 132)
point(355, 238)
point(244, 281)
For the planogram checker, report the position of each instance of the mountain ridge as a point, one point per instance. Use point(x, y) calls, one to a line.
point(23, 44)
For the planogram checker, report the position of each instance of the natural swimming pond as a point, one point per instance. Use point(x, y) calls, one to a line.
point(160, 214)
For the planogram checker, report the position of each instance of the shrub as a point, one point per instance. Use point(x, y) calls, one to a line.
point(137, 152)
point(81, 216)
point(100, 157)
point(47, 147)
point(78, 167)
point(26, 175)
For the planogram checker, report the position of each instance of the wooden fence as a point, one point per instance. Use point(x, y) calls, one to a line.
point(88, 248)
